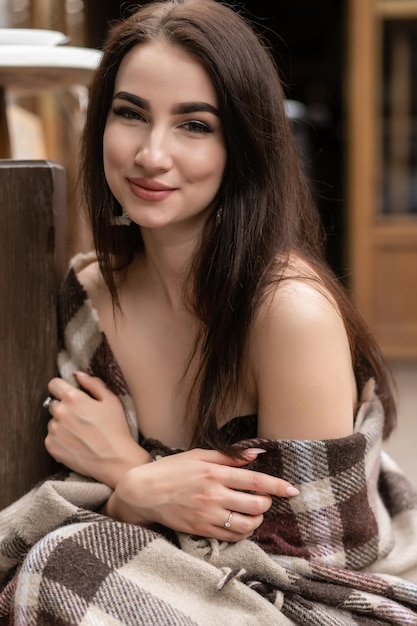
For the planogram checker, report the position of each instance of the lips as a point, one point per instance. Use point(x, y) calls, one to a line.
point(149, 190)
point(148, 183)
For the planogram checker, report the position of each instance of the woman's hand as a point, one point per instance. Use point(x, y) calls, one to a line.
point(88, 432)
point(195, 492)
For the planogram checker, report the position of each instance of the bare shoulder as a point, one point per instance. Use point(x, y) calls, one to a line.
point(298, 301)
point(301, 359)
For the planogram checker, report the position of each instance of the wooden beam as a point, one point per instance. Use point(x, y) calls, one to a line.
point(32, 231)
point(361, 100)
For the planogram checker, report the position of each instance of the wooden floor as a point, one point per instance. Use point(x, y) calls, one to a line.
point(402, 445)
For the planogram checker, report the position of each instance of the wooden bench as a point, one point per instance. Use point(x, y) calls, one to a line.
point(32, 262)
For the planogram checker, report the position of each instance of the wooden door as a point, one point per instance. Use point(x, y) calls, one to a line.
point(381, 101)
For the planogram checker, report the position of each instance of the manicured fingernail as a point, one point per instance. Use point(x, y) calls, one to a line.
point(255, 450)
point(81, 374)
point(292, 491)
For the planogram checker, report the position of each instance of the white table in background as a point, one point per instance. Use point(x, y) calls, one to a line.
point(31, 68)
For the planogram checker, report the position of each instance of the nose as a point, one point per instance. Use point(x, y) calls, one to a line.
point(154, 151)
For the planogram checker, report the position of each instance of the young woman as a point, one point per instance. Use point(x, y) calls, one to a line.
point(215, 300)
point(206, 327)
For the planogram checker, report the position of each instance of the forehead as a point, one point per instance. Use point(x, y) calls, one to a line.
point(163, 69)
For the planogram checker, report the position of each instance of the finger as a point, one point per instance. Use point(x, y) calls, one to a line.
point(246, 503)
point(57, 387)
point(93, 384)
point(256, 482)
point(51, 407)
point(47, 402)
point(234, 526)
point(246, 480)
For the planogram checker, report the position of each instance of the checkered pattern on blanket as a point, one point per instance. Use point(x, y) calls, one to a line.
point(74, 566)
point(336, 554)
point(335, 519)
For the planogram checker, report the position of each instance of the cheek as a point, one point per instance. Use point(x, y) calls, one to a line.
point(208, 166)
point(112, 155)
point(109, 147)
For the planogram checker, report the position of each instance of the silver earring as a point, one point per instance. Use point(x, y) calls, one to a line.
point(219, 215)
point(121, 220)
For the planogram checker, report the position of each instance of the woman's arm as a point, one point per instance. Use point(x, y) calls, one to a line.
point(195, 492)
point(302, 365)
point(191, 492)
point(88, 431)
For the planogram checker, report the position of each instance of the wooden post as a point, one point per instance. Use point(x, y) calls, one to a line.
point(32, 262)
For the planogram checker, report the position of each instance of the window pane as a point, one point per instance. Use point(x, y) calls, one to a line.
point(399, 117)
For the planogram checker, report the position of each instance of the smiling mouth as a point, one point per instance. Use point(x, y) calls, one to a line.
point(150, 193)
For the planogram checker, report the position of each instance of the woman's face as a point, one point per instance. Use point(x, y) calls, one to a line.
point(164, 151)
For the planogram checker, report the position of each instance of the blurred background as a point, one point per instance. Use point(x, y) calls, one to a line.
point(350, 74)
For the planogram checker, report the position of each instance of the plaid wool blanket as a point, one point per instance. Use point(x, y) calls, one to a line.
point(343, 552)
point(334, 555)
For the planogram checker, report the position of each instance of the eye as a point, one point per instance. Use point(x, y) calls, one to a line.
point(195, 126)
point(126, 113)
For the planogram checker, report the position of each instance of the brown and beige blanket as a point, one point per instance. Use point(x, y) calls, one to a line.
point(343, 552)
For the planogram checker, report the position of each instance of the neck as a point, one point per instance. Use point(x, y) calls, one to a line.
point(165, 267)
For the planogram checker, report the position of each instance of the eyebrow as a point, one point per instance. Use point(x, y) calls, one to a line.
point(179, 109)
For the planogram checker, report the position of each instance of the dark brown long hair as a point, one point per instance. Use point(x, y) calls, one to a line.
point(267, 210)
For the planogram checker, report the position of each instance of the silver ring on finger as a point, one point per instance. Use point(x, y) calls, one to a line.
point(228, 522)
point(47, 403)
